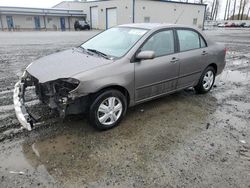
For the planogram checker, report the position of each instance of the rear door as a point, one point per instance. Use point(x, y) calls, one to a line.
point(157, 76)
point(192, 57)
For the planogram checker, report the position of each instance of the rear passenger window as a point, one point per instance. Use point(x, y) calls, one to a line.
point(162, 43)
point(189, 40)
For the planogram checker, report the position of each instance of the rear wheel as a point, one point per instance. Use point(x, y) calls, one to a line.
point(107, 109)
point(206, 81)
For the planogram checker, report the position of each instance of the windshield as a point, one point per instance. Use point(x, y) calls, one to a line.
point(115, 42)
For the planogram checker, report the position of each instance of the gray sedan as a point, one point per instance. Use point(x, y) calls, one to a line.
point(119, 68)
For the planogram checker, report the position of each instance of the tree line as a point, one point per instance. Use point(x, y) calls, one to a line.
point(234, 10)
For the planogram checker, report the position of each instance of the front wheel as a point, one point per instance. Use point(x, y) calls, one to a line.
point(107, 109)
point(206, 81)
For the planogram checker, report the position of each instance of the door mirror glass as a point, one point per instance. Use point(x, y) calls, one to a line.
point(144, 55)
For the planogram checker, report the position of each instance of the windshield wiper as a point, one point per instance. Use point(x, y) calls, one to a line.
point(85, 50)
point(99, 53)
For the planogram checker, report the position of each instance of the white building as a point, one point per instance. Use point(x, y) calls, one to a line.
point(104, 14)
point(19, 18)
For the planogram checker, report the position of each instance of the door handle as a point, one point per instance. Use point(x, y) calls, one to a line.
point(174, 60)
point(204, 53)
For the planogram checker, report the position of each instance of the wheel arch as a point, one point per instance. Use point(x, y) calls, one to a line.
point(214, 66)
point(122, 89)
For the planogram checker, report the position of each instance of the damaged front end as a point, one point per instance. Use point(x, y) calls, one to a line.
point(23, 116)
point(57, 94)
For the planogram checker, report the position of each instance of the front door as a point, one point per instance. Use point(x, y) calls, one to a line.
point(157, 76)
point(10, 22)
point(62, 21)
point(37, 23)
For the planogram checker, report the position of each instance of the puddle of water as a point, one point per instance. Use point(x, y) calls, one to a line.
point(240, 61)
point(234, 76)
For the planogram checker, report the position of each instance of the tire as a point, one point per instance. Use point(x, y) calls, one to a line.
point(206, 81)
point(104, 113)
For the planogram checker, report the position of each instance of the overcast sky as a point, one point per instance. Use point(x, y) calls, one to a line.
point(50, 3)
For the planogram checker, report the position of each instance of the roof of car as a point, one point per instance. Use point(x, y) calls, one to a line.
point(152, 25)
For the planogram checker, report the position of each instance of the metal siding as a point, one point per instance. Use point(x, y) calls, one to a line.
point(169, 12)
point(126, 13)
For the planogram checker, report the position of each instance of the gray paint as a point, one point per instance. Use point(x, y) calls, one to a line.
point(64, 64)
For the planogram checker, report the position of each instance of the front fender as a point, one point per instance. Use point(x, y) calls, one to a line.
point(117, 74)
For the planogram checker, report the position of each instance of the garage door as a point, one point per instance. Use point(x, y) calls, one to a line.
point(111, 17)
point(94, 17)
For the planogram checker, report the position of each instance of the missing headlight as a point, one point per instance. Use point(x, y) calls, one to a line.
point(64, 86)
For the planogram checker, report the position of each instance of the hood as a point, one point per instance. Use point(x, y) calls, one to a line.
point(64, 64)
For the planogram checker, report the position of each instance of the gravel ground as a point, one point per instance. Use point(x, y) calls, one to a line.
point(182, 140)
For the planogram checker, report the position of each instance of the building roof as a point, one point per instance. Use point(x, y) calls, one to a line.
point(39, 11)
point(164, 1)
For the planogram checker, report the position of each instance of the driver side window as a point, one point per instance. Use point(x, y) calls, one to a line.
point(162, 43)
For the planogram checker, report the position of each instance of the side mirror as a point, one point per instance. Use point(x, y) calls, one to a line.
point(144, 55)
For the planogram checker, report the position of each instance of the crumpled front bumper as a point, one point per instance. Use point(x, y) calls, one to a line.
point(25, 119)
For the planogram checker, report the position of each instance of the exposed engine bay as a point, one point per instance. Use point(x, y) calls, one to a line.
point(56, 94)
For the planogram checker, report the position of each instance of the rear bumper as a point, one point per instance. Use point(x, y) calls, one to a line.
point(22, 114)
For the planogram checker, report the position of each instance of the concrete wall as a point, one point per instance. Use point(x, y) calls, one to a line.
point(167, 12)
